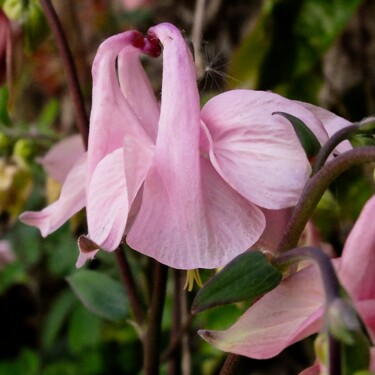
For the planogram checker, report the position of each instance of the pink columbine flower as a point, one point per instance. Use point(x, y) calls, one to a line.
point(186, 187)
point(294, 310)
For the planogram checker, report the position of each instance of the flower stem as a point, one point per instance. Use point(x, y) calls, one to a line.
point(363, 127)
point(151, 342)
point(330, 145)
point(315, 188)
point(230, 365)
point(70, 69)
point(330, 281)
point(130, 286)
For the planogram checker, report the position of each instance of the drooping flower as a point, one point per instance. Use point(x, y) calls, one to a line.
point(186, 187)
point(294, 310)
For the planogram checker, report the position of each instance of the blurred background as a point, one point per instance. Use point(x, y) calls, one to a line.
point(317, 51)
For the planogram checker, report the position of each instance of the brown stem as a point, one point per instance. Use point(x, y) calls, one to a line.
point(230, 365)
point(151, 342)
point(315, 188)
point(174, 365)
point(70, 69)
point(130, 286)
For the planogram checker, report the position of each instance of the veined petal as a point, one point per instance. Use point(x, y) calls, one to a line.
point(107, 202)
point(256, 152)
point(282, 317)
point(189, 217)
point(112, 117)
point(331, 122)
point(184, 236)
point(72, 199)
point(357, 265)
point(60, 159)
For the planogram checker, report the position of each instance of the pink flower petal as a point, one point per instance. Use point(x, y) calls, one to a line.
point(72, 199)
point(207, 235)
point(137, 90)
point(258, 153)
point(112, 116)
point(60, 159)
point(366, 309)
point(331, 122)
point(358, 258)
point(282, 317)
point(313, 370)
point(186, 205)
point(107, 202)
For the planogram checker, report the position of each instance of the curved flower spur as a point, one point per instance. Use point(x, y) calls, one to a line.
point(186, 187)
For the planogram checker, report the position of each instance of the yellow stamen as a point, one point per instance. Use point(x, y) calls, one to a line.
point(191, 277)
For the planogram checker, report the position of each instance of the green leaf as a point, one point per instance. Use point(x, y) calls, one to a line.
point(246, 277)
point(4, 97)
point(84, 330)
point(57, 316)
point(246, 62)
point(306, 137)
point(100, 294)
point(356, 357)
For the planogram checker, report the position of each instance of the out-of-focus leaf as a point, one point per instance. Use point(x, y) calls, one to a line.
point(84, 330)
point(248, 58)
point(12, 273)
point(246, 277)
point(307, 138)
point(27, 363)
point(4, 116)
point(288, 42)
point(62, 251)
point(356, 357)
point(318, 24)
point(48, 117)
point(100, 294)
point(56, 317)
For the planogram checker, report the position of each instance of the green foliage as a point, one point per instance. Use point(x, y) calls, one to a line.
point(284, 49)
point(84, 330)
point(246, 277)
point(4, 116)
point(356, 356)
point(100, 294)
point(27, 363)
point(30, 15)
point(57, 315)
point(307, 138)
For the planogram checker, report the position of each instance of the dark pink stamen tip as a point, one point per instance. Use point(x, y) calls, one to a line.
point(138, 40)
point(152, 45)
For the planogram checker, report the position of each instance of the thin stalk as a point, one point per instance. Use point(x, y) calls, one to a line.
point(363, 127)
point(330, 145)
point(174, 365)
point(130, 286)
point(70, 68)
point(230, 365)
point(151, 342)
point(315, 188)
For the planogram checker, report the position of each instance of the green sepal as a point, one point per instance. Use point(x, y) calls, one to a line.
point(307, 138)
point(356, 357)
point(246, 277)
point(100, 294)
